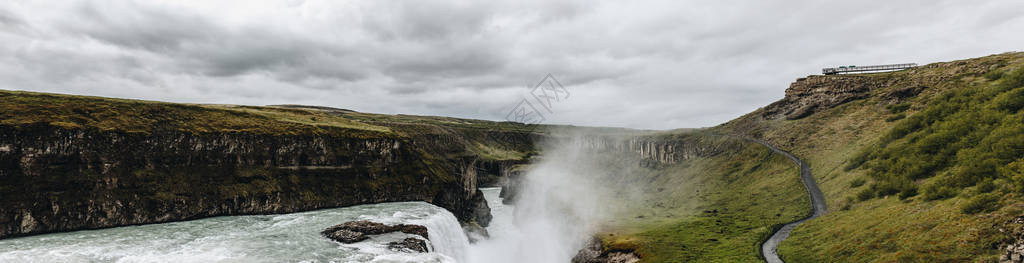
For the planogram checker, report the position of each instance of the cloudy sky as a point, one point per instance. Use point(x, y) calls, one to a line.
point(640, 64)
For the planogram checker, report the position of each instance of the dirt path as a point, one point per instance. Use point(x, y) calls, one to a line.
point(770, 246)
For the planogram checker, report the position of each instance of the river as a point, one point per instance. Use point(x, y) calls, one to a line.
point(256, 238)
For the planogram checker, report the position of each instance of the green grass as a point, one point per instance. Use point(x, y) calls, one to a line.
point(25, 108)
point(470, 137)
point(932, 186)
point(964, 136)
point(735, 199)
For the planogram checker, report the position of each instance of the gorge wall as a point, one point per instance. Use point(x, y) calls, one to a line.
point(58, 177)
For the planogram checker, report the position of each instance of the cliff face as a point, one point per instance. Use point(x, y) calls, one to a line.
point(652, 151)
point(65, 165)
point(57, 179)
point(653, 148)
point(815, 93)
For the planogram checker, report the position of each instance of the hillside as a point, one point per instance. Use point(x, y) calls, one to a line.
point(917, 165)
point(921, 165)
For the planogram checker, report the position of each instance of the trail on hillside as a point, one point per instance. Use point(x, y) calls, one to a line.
point(769, 247)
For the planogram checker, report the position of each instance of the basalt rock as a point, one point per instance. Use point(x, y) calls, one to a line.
point(1013, 247)
point(55, 179)
point(409, 245)
point(816, 93)
point(496, 173)
point(345, 236)
point(594, 252)
point(355, 231)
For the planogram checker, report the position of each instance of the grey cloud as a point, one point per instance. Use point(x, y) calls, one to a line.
point(135, 25)
point(647, 64)
point(7, 19)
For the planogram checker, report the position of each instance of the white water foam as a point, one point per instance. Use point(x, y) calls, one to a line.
point(265, 238)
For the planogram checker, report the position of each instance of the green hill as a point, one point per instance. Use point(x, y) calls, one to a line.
point(920, 165)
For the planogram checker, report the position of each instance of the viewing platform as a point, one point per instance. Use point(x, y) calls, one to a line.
point(875, 68)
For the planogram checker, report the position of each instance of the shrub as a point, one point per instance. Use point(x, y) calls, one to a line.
point(986, 186)
point(935, 191)
point(857, 182)
point(1011, 101)
point(908, 192)
point(1011, 80)
point(865, 194)
point(895, 117)
point(859, 159)
point(982, 203)
point(897, 108)
point(970, 134)
point(886, 188)
point(993, 75)
point(1015, 173)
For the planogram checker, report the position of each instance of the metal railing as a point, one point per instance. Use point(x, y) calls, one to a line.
point(850, 69)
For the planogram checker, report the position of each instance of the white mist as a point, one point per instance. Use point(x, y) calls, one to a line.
point(565, 198)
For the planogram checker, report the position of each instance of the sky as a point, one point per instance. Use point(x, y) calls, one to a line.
point(638, 64)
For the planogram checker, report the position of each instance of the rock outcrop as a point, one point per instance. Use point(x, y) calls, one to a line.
point(55, 178)
point(1013, 250)
point(595, 252)
point(817, 93)
point(355, 231)
point(409, 245)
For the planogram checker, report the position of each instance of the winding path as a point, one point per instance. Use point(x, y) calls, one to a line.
point(770, 246)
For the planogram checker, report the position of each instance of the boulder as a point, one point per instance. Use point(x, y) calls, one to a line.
point(595, 252)
point(355, 231)
point(409, 245)
point(345, 236)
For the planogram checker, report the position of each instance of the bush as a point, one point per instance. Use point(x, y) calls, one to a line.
point(859, 159)
point(886, 188)
point(982, 203)
point(935, 191)
point(897, 108)
point(1015, 174)
point(986, 186)
point(1011, 80)
point(970, 134)
point(993, 75)
point(895, 117)
point(1011, 101)
point(865, 194)
point(908, 192)
point(857, 182)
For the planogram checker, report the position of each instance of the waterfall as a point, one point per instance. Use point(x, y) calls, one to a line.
point(564, 199)
point(446, 235)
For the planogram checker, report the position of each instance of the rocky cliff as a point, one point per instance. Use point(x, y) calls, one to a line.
point(62, 168)
point(651, 150)
point(654, 148)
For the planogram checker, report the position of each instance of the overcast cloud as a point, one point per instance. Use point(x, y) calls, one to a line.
point(640, 64)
